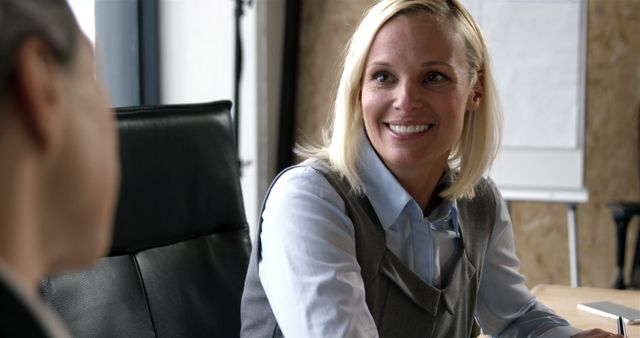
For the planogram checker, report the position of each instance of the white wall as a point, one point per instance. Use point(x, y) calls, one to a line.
point(196, 50)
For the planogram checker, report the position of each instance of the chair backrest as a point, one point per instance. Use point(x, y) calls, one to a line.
point(181, 241)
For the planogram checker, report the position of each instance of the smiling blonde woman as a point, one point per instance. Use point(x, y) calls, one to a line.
point(389, 229)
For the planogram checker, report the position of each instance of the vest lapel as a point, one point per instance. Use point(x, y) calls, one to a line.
point(458, 282)
point(420, 292)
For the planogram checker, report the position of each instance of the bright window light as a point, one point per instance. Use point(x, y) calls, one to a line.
point(84, 11)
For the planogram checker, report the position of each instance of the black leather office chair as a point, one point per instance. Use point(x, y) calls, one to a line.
point(181, 242)
point(622, 212)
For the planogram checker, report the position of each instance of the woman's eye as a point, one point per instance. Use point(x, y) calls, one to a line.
point(435, 78)
point(381, 77)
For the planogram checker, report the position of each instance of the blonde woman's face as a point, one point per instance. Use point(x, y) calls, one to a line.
point(415, 91)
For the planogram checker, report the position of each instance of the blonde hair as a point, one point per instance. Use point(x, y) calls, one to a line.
point(471, 156)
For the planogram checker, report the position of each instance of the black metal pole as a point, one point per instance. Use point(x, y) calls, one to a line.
point(289, 84)
point(149, 51)
point(239, 12)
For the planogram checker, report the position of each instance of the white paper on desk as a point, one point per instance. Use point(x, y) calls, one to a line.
point(535, 51)
point(612, 310)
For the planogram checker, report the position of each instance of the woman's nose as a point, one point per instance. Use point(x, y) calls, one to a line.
point(407, 97)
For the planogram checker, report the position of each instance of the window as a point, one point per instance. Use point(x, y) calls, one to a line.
point(194, 62)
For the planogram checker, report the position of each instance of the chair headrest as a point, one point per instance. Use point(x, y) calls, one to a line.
point(179, 175)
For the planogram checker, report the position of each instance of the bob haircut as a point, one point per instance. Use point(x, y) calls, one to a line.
point(472, 155)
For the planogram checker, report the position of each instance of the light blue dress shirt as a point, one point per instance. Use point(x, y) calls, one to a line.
point(312, 279)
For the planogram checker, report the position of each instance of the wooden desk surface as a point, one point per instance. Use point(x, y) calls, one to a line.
point(564, 299)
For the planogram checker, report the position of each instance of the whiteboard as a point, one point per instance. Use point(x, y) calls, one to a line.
point(538, 51)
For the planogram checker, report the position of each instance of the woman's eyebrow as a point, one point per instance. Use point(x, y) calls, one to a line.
point(424, 64)
point(378, 63)
point(437, 63)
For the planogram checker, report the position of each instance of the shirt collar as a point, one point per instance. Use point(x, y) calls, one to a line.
point(386, 194)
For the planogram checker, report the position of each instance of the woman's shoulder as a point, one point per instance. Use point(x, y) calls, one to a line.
point(302, 198)
point(485, 203)
point(487, 190)
point(304, 181)
point(304, 175)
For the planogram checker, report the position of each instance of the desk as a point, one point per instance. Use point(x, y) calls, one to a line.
point(564, 300)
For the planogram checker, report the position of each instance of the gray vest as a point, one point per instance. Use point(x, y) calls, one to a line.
point(401, 303)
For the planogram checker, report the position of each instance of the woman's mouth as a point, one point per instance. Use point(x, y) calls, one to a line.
point(408, 129)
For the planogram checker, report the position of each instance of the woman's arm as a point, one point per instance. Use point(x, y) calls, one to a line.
point(505, 306)
point(309, 269)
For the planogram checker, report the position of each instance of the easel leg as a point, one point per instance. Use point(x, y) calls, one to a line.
point(573, 245)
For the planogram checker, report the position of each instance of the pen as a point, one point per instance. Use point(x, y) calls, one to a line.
point(621, 330)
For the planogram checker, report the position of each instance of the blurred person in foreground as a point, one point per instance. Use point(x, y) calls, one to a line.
point(389, 228)
point(58, 160)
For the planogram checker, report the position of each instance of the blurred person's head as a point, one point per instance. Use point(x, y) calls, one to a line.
point(474, 143)
point(58, 148)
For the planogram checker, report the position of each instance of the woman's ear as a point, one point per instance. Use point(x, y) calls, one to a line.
point(38, 91)
point(477, 92)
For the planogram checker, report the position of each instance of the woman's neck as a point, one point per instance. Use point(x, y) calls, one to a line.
point(422, 185)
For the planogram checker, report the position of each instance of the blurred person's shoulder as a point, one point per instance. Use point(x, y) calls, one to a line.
point(23, 314)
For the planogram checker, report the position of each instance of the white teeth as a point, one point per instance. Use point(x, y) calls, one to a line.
point(408, 129)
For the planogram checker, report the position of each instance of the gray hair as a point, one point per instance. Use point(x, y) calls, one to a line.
point(52, 20)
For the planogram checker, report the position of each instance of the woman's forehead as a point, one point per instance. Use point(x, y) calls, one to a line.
point(419, 35)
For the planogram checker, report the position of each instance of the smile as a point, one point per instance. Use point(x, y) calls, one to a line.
point(408, 129)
